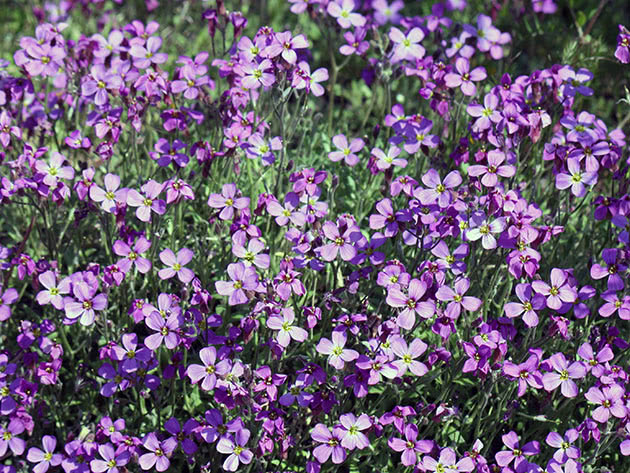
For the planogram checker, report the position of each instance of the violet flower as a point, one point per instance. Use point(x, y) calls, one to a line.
point(227, 201)
point(342, 10)
point(176, 265)
point(526, 373)
point(564, 375)
point(411, 303)
point(7, 298)
point(44, 458)
point(86, 304)
point(516, 453)
point(283, 322)
point(558, 292)
point(456, 299)
point(144, 56)
point(447, 461)
point(615, 281)
point(158, 452)
point(610, 400)
point(244, 278)
point(209, 370)
point(166, 330)
point(437, 190)
point(530, 303)
point(464, 77)
point(111, 195)
point(406, 46)
point(341, 244)
point(132, 256)
point(407, 356)
point(330, 444)
point(576, 179)
point(494, 168)
point(410, 446)
point(352, 426)
point(111, 461)
point(147, 201)
point(346, 150)
point(563, 444)
point(335, 350)
point(234, 446)
point(9, 439)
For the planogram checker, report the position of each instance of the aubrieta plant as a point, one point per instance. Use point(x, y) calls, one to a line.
point(314, 236)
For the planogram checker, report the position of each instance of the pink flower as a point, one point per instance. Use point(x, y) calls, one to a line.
point(407, 356)
point(244, 278)
point(158, 452)
point(610, 401)
point(207, 373)
point(335, 350)
point(516, 452)
point(330, 444)
point(147, 201)
point(564, 375)
point(342, 10)
point(346, 151)
point(558, 292)
point(44, 458)
point(464, 77)
point(494, 168)
point(286, 330)
point(411, 303)
point(132, 256)
point(352, 426)
point(410, 446)
point(456, 298)
point(175, 265)
point(227, 201)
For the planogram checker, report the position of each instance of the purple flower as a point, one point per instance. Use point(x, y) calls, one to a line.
point(615, 281)
point(484, 230)
point(287, 282)
point(44, 458)
point(516, 452)
point(352, 426)
point(494, 168)
point(356, 43)
point(6, 129)
point(610, 401)
point(564, 375)
point(166, 330)
point(111, 461)
point(335, 350)
point(287, 213)
point(464, 77)
point(558, 292)
point(132, 256)
point(410, 446)
point(235, 448)
point(7, 298)
point(386, 161)
point(407, 356)
point(456, 298)
point(183, 434)
point(622, 53)
point(614, 304)
point(77, 141)
point(565, 449)
point(437, 190)
point(341, 244)
point(576, 179)
point(303, 78)
point(54, 170)
point(406, 46)
point(287, 331)
point(342, 10)
point(111, 195)
point(252, 254)
point(158, 452)
point(147, 201)
point(387, 218)
point(530, 303)
point(165, 153)
point(129, 354)
point(330, 444)
point(98, 82)
point(526, 373)
point(244, 278)
point(255, 75)
point(86, 304)
point(175, 265)
point(447, 462)
point(411, 303)
point(209, 370)
point(9, 439)
point(227, 201)
point(285, 45)
point(146, 55)
point(346, 151)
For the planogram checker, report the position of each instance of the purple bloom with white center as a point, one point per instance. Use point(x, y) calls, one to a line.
point(7, 298)
point(132, 255)
point(564, 375)
point(335, 350)
point(258, 147)
point(44, 458)
point(464, 77)
point(577, 179)
point(234, 446)
point(244, 278)
point(176, 265)
point(410, 446)
point(252, 254)
point(484, 230)
point(558, 292)
point(208, 372)
point(144, 56)
point(437, 190)
point(493, 169)
point(110, 460)
point(110, 195)
point(9, 439)
point(147, 201)
point(166, 330)
point(456, 298)
point(516, 453)
point(341, 244)
point(610, 400)
point(530, 303)
point(411, 303)
point(330, 444)
point(346, 150)
point(342, 10)
point(406, 46)
point(563, 444)
point(352, 426)
point(158, 452)
point(286, 330)
point(615, 281)
point(86, 304)
point(227, 201)
point(407, 356)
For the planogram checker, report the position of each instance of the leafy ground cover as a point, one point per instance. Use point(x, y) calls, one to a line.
point(313, 235)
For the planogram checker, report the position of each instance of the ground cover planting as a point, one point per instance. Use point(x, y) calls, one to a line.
point(315, 236)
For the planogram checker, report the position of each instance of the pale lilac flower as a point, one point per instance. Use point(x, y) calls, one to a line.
point(407, 356)
point(410, 446)
point(111, 195)
point(576, 179)
point(516, 452)
point(494, 168)
point(530, 303)
point(411, 303)
point(484, 230)
point(207, 373)
point(558, 292)
point(244, 278)
point(342, 10)
point(285, 45)
point(456, 298)
point(289, 212)
point(346, 151)
point(564, 375)
point(352, 426)
point(147, 201)
point(166, 330)
point(146, 55)
point(341, 244)
point(234, 446)
point(158, 452)
point(44, 458)
point(612, 269)
point(610, 400)
point(132, 256)
point(176, 265)
point(565, 449)
point(385, 161)
point(406, 46)
point(330, 444)
point(54, 169)
point(437, 190)
point(486, 114)
point(252, 254)
point(228, 201)
point(98, 83)
point(9, 438)
point(464, 77)
point(283, 322)
point(447, 462)
point(335, 350)
point(53, 292)
point(255, 75)
point(613, 304)
point(387, 13)
point(86, 304)
point(304, 79)
point(111, 461)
